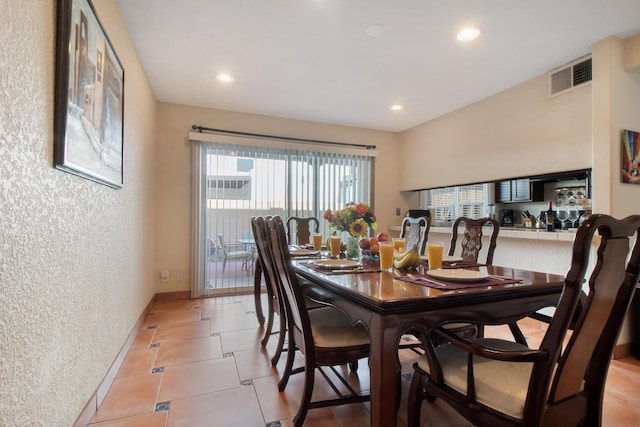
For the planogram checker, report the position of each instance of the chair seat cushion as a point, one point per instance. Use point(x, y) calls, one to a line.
point(499, 385)
point(332, 329)
point(238, 254)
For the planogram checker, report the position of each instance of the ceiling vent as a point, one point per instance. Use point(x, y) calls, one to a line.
point(570, 76)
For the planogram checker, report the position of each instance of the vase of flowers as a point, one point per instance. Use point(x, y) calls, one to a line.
point(354, 220)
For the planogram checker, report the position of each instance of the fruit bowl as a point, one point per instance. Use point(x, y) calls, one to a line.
point(370, 253)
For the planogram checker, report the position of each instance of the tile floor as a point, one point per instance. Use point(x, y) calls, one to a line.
point(199, 363)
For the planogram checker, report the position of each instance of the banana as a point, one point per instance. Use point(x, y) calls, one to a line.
point(407, 260)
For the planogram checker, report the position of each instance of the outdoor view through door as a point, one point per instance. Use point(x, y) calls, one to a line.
point(238, 182)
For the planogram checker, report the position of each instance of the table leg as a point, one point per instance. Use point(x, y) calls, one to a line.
point(257, 292)
point(384, 369)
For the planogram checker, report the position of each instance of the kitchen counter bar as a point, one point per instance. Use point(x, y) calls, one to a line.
point(509, 232)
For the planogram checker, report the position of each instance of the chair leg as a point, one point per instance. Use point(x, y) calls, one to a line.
point(414, 401)
point(269, 327)
point(309, 377)
point(291, 352)
point(224, 264)
point(281, 337)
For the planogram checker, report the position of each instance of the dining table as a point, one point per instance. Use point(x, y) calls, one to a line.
point(394, 302)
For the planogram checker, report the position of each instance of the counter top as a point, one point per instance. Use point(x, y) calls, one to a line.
point(512, 233)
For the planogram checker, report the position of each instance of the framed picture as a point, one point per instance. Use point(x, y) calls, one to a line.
point(630, 157)
point(89, 97)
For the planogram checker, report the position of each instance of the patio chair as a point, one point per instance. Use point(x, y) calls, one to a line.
point(229, 254)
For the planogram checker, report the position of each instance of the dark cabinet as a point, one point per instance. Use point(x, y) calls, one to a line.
point(519, 190)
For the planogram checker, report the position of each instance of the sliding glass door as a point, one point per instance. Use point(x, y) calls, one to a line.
point(236, 182)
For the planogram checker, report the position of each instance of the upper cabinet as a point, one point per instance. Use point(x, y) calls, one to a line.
point(519, 190)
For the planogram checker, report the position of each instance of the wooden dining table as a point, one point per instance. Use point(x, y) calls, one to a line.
point(389, 307)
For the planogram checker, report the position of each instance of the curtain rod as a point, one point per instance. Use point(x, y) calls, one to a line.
point(285, 138)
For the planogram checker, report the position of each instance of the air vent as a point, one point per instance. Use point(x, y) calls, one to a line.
point(570, 76)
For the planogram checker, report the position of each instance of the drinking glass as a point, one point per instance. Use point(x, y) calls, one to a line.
point(562, 217)
point(399, 244)
point(386, 256)
point(434, 251)
point(317, 241)
point(334, 245)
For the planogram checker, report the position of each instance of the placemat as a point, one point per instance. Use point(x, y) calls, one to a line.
point(454, 264)
point(424, 280)
point(363, 269)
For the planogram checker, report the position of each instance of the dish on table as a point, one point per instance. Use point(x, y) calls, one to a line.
point(303, 252)
point(336, 264)
point(458, 275)
point(445, 258)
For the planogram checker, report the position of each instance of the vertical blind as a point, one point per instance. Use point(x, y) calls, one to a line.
point(450, 203)
point(238, 182)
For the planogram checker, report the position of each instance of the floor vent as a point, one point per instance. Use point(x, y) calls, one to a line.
point(570, 76)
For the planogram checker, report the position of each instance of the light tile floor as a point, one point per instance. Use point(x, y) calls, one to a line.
point(199, 363)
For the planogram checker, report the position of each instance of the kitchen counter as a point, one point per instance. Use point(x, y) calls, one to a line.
point(508, 232)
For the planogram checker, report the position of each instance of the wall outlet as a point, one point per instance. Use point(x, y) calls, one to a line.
point(397, 211)
point(164, 275)
point(179, 277)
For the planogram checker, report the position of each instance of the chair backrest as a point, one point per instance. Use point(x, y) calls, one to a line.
point(302, 231)
point(297, 316)
point(265, 258)
point(472, 239)
point(223, 245)
point(415, 231)
point(574, 386)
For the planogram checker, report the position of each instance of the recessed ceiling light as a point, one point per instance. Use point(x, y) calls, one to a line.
point(468, 34)
point(224, 77)
point(374, 30)
point(396, 107)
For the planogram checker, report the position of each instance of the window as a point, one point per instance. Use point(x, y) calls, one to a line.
point(235, 182)
point(449, 203)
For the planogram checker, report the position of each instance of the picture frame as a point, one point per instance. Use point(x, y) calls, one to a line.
point(630, 157)
point(89, 97)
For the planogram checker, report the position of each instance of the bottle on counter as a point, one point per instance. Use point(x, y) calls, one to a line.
point(550, 218)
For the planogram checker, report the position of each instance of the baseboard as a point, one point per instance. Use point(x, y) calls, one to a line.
point(622, 350)
point(170, 296)
point(96, 399)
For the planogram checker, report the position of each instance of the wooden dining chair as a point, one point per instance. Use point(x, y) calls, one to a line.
point(471, 242)
point(275, 306)
point(415, 231)
point(301, 229)
point(494, 382)
point(325, 336)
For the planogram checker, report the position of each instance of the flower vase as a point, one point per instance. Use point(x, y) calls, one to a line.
point(352, 246)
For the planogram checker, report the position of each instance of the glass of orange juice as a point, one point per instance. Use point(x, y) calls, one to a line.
point(386, 256)
point(399, 244)
point(334, 245)
point(434, 252)
point(317, 241)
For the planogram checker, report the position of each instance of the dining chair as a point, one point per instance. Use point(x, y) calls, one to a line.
point(495, 382)
point(415, 231)
point(301, 228)
point(471, 243)
point(325, 336)
point(229, 254)
point(274, 305)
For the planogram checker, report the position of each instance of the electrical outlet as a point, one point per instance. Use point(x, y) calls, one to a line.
point(179, 277)
point(397, 211)
point(164, 275)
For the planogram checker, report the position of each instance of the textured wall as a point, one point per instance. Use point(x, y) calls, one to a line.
point(76, 258)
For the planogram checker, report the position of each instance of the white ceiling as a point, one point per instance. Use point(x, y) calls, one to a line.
point(311, 59)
